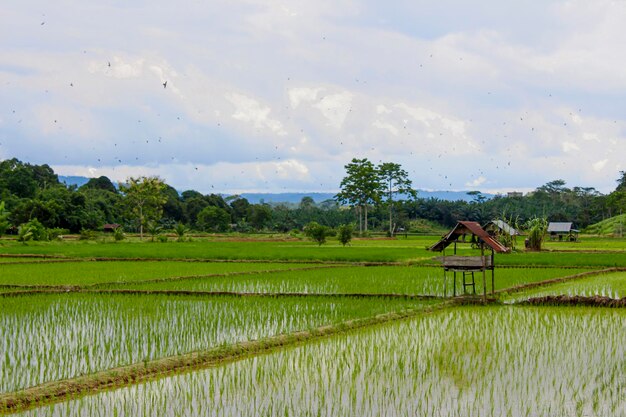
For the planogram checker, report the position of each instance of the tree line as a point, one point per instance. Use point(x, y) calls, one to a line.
point(372, 197)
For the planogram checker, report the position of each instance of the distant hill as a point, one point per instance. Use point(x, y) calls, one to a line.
point(319, 197)
point(615, 225)
point(294, 198)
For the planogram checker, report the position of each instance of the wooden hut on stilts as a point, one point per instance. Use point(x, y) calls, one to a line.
point(470, 233)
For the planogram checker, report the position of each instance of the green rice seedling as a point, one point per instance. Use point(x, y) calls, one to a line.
point(350, 280)
point(57, 336)
point(606, 285)
point(92, 272)
point(506, 361)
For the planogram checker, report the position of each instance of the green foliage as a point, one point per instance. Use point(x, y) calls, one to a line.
point(214, 219)
point(145, 199)
point(259, 216)
point(394, 180)
point(317, 232)
point(33, 230)
point(57, 232)
point(180, 231)
point(154, 230)
point(4, 219)
point(360, 188)
point(344, 233)
point(100, 183)
point(537, 228)
point(621, 182)
point(118, 234)
point(615, 226)
point(86, 234)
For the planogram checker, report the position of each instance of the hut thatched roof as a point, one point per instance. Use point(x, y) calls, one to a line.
point(464, 228)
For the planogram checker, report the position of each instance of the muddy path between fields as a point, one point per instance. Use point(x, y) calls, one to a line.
point(576, 300)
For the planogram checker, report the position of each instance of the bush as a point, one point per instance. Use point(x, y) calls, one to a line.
point(214, 219)
point(344, 233)
point(162, 238)
point(180, 231)
point(317, 232)
point(33, 230)
point(118, 234)
point(57, 232)
point(86, 234)
point(537, 229)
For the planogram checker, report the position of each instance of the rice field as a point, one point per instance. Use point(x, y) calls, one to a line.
point(83, 273)
point(611, 285)
point(471, 361)
point(51, 337)
point(458, 361)
point(411, 280)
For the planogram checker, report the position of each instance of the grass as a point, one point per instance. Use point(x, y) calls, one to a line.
point(412, 249)
point(374, 251)
point(93, 272)
point(607, 285)
point(495, 361)
point(56, 336)
point(351, 280)
point(612, 226)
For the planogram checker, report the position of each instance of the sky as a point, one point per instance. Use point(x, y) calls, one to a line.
point(278, 96)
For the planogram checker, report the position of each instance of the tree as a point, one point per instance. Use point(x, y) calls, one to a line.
point(360, 187)
point(344, 233)
point(394, 181)
point(180, 231)
point(145, 199)
point(240, 208)
point(621, 182)
point(307, 203)
point(214, 219)
point(100, 183)
point(259, 215)
point(317, 232)
point(4, 219)
point(154, 230)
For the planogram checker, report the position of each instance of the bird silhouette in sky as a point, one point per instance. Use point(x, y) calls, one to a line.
point(165, 84)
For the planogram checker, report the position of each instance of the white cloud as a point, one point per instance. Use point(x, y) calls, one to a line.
point(302, 94)
point(249, 110)
point(600, 165)
point(476, 182)
point(386, 126)
point(118, 68)
point(381, 109)
point(569, 147)
point(335, 107)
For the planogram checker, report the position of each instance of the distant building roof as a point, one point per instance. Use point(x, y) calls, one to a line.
point(560, 227)
point(463, 228)
point(504, 226)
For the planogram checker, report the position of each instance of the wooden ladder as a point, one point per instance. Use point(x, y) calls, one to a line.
point(471, 283)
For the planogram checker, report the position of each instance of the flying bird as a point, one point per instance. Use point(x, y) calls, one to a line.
point(165, 84)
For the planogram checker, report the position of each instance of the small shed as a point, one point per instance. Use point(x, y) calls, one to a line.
point(562, 231)
point(466, 232)
point(110, 227)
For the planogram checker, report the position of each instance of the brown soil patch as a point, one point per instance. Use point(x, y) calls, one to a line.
point(576, 300)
